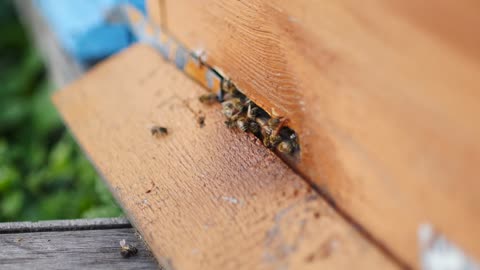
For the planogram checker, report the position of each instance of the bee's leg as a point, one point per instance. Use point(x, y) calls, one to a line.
point(283, 122)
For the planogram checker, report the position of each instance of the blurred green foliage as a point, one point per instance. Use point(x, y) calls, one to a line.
point(43, 173)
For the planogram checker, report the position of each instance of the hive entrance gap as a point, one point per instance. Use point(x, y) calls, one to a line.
point(243, 114)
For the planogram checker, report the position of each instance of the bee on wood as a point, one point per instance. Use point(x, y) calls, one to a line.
point(276, 125)
point(209, 98)
point(252, 112)
point(253, 127)
point(265, 129)
point(289, 144)
point(230, 90)
point(127, 250)
point(266, 142)
point(232, 107)
point(285, 147)
point(270, 139)
point(228, 86)
point(293, 140)
point(242, 113)
point(228, 109)
point(201, 121)
point(274, 122)
point(230, 123)
point(158, 131)
point(274, 140)
point(242, 123)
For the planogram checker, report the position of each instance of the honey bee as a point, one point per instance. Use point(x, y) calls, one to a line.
point(158, 131)
point(242, 113)
point(209, 98)
point(242, 123)
point(266, 142)
point(286, 147)
point(253, 127)
point(230, 90)
point(289, 144)
point(274, 122)
point(293, 140)
point(127, 250)
point(230, 123)
point(252, 112)
point(228, 86)
point(270, 139)
point(277, 124)
point(274, 140)
point(201, 121)
point(232, 107)
point(228, 109)
point(266, 130)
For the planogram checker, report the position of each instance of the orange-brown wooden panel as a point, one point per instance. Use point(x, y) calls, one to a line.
point(383, 94)
point(155, 11)
point(203, 198)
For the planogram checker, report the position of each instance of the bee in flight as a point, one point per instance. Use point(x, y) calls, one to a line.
point(127, 250)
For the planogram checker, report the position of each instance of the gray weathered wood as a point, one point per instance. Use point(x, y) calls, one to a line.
point(65, 225)
point(87, 249)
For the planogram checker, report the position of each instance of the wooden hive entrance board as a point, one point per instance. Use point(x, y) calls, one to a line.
point(383, 95)
point(203, 198)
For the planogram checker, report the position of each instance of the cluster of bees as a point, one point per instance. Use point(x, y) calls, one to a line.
point(243, 114)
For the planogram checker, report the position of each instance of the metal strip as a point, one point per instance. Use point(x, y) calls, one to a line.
point(188, 62)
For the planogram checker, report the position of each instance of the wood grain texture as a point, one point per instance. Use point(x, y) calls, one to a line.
point(90, 249)
point(65, 225)
point(203, 198)
point(383, 94)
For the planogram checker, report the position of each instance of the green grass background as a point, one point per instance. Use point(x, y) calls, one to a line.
point(43, 173)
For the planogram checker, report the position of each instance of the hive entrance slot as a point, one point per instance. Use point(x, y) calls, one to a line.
point(243, 114)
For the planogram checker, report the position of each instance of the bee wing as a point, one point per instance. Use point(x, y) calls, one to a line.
point(123, 243)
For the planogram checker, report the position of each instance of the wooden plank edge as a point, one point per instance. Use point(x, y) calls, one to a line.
point(65, 225)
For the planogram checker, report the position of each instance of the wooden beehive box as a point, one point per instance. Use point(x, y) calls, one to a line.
point(384, 100)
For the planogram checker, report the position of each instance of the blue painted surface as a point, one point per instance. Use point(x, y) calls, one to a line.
point(84, 29)
point(181, 57)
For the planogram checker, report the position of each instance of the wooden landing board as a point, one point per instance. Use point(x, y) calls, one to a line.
point(383, 94)
point(203, 198)
point(72, 244)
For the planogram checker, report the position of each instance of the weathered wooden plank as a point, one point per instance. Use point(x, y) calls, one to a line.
point(383, 94)
point(203, 198)
point(87, 249)
point(65, 225)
